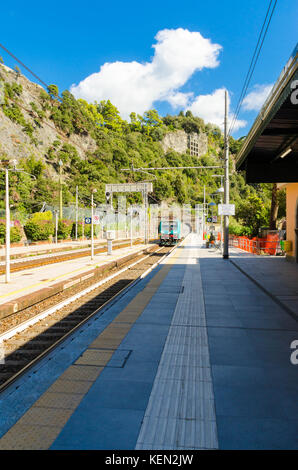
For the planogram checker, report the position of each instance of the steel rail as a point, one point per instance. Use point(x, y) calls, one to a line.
point(73, 330)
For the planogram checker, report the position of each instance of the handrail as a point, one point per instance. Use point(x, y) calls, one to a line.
point(257, 247)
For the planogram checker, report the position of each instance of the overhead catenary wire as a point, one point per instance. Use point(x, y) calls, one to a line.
point(253, 62)
point(23, 65)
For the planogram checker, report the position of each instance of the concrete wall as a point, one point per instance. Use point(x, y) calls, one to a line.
point(178, 141)
point(292, 208)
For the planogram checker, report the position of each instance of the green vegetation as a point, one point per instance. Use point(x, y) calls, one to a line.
point(15, 233)
point(39, 227)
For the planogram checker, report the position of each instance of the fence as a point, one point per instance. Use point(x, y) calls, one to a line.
point(256, 246)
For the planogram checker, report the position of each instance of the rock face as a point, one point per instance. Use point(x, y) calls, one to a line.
point(180, 142)
point(14, 142)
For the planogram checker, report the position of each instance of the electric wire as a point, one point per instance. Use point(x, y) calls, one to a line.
point(253, 63)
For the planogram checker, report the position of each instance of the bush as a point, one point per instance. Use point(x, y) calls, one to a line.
point(36, 230)
point(64, 229)
point(42, 216)
point(235, 228)
point(15, 234)
point(73, 230)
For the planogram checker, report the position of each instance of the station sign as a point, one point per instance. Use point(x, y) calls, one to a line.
point(226, 209)
point(87, 220)
point(209, 219)
point(128, 187)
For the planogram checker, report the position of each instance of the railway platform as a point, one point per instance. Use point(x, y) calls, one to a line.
point(29, 286)
point(193, 356)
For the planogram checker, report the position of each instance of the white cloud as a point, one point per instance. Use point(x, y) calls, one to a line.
point(133, 86)
point(212, 108)
point(256, 98)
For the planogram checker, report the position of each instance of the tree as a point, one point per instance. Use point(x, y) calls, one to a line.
point(111, 116)
point(253, 214)
point(17, 70)
point(53, 91)
point(274, 207)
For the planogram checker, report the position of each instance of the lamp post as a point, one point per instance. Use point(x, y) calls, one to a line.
point(226, 180)
point(7, 230)
point(92, 238)
point(130, 228)
point(60, 191)
point(77, 213)
point(7, 213)
point(220, 191)
point(56, 226)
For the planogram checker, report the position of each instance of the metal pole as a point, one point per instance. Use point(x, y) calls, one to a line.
point(83, 228)
point(226, 181)
point(77, 211)
point(146, 215)
point(92, 247)
point(131, 229)
point(7, 233)
point(60, 192)
point(204, 215)
point(56, 227)
point(221, 231)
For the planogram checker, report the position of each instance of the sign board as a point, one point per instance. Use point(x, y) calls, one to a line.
point(96, 219)
point(129, 187)
point(87, 220)
point(110, 235)
point(226, 209)
point(214, 219)
point(209, 219)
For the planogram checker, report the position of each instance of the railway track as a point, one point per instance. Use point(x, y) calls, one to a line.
point(43, 260)
point(28, 342)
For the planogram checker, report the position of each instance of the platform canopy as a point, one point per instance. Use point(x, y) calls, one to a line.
point(270, 151)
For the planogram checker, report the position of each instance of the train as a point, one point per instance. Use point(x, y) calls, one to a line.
point(169, 232)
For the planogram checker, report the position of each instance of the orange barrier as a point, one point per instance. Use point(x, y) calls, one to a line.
point(256, 245)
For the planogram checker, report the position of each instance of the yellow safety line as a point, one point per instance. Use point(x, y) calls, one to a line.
point(48, 280)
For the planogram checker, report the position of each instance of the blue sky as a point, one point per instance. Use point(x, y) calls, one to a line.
point(66, 42)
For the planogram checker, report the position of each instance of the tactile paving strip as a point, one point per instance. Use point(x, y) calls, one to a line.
point(38, 428)
point(181, 412)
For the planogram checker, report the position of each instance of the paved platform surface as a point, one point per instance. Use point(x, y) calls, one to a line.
point(31, 249)
point(31, 280)
point(277, 276)
point(195, 356)
point(23, 253)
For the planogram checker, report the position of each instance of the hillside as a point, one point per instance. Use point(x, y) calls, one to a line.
point(40, 128)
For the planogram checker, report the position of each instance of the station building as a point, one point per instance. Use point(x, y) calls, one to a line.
point(270, 150)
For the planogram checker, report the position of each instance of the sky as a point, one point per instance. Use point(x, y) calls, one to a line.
point(164, 55)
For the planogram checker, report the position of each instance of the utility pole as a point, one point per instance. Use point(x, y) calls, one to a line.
point(92, 238)
point(7, 233)
point(56, 226)
point(145, 196)
point(130, 227)
point(226, 180)
point(60, 192)
point(7, 212)
point(204, 215)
